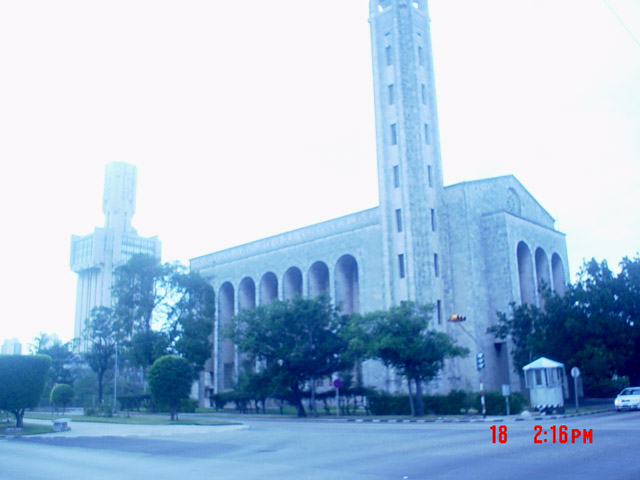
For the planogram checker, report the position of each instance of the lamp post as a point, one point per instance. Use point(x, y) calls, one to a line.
point(115, 381)
point(458, 319)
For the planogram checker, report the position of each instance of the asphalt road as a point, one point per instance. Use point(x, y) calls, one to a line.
point(288, 449)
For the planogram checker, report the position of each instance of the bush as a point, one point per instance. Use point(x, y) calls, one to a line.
point(61, 395)
point(134, 402)
point(22, 380)
point(604, 387)
point(99, 410)
point(170, 380)
point(385, 404)
point(496, 405)
point(455, 402)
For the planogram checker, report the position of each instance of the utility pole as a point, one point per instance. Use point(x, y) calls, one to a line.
point(480, 364)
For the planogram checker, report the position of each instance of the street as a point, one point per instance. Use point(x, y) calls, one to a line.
point(291, 449)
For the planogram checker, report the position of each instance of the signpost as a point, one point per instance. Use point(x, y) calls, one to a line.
point(575, 373)
point(506, 390)
point(337, 383)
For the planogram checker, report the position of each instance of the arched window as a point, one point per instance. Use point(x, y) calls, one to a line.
point(525, 274)
point(347, 288)
point(542, 273)
point(268, 288)
point(557, 270)
point(292, 283)
point(318, 279)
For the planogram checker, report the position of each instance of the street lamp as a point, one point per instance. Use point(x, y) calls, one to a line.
point(458, 319)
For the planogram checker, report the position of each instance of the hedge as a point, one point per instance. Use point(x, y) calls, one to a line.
point(455, 403)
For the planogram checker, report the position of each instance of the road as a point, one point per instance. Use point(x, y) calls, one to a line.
point(290, 449)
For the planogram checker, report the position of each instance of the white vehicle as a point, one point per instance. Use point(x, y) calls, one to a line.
point(628, 399)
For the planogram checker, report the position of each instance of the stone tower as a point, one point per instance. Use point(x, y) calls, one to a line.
point(408, 146)
point(94, 257)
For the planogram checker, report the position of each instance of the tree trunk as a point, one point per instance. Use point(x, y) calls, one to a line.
point(413, 410)
point(419, 403)
point(313, 395)
point(297, 401)
point(19, 417)
point(100, 378)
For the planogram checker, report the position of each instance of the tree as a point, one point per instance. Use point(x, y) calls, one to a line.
point(101, 334)
point(296, 341)
point(163, 309)
point(594, 326)
point(61, 358)
point(170, 380)
point(22, 381)
point(189, 321)
point(401, 339)
point(61, 395)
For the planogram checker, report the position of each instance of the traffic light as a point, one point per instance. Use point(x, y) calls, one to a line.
point(480, 361)
point(457, 318)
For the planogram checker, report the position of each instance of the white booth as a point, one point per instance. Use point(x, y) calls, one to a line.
point(546, 381)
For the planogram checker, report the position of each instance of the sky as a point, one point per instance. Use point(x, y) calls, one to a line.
point(250, 118)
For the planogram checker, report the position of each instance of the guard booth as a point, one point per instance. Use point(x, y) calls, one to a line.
point(546, 381)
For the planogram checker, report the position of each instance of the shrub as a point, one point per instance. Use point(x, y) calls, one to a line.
point(99, 410)
point(134, 402)
point(61, 395)
point(170, 380)
point(496, 405)
point(22, 380)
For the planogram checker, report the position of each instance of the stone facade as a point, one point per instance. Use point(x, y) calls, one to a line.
point(468, 249)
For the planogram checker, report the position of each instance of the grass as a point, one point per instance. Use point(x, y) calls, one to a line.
point(28, 429)
point(138, 419)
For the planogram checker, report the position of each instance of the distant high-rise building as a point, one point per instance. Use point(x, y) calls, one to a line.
point(94, 257)
point(11, 346)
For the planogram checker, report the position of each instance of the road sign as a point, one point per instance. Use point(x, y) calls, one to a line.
point(575, 372)
point(337, 383)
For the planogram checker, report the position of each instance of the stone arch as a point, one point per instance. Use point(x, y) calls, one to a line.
point(542, 272)
point(268, 288)
point(525, 274)
point(347, 287)
point(292, 283)
point(557, 271)
point(246, 294)
point(226, 356)
point(318, 279)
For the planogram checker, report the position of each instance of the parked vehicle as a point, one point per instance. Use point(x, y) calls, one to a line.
point(628, 399)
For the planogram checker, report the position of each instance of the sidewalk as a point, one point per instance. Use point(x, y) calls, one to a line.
point(90, 429)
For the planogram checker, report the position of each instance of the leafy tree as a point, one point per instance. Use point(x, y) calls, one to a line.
point(61, 359)
point(190, 318)
point(162, 309)
point(594, 325)
point(401, 339)
point(170, 380)
point(101, 334)
point(61, 395)
point(296, 341)
point(22, 381)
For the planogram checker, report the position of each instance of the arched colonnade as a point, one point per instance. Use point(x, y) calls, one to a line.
point(536, 270)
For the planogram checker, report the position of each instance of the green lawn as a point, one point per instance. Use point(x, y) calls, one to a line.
point(28, 429)
point(132, 420)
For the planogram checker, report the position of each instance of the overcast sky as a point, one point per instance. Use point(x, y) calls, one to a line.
point(249, 118)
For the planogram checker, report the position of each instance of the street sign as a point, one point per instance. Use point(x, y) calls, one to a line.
point(337, 383)
point(575, 372)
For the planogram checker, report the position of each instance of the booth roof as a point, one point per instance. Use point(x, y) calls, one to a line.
point(543, 362)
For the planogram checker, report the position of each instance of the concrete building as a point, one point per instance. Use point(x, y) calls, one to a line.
point(468, 249)
point(94, 257)
point(11, 346)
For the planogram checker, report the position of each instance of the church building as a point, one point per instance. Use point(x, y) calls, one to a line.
point(468, 249)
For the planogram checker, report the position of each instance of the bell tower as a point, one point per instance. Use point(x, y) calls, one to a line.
point(408, 150)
